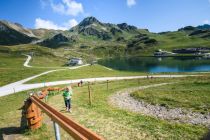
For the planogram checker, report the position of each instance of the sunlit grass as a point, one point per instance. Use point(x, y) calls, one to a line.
point(84, 72)
point(189, 94)
point(114, 123)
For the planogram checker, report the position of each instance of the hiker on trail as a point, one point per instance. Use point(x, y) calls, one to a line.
point(81, 82)
point(67, 98)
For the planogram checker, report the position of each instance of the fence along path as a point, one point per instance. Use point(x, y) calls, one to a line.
point(76, 130)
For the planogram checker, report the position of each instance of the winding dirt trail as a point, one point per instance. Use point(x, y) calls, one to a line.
point(20, 86)
point(123, 100)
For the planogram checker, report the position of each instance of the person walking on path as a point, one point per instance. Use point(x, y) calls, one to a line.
point(67, 94)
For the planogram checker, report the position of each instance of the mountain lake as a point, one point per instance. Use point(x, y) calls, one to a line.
point(158, 64)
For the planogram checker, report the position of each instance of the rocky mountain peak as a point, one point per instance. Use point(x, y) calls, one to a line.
point(19, 25)
point(204, 27)
point(125, 26)
point(60, 37)
point(89, 20)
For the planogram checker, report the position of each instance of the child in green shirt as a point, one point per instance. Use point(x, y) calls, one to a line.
point(67, 98)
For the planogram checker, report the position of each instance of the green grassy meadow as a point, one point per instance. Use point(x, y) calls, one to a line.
point(12, 70)
point(103, 118)
point(11, 64)
point(189, 94)
point(84, 72)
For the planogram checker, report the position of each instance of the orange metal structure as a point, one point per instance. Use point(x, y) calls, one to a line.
point(33, 114)
point(45, 91)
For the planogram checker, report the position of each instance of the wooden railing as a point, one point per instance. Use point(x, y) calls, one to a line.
point(76, 130)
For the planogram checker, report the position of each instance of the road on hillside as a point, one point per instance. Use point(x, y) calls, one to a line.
point(20, 86)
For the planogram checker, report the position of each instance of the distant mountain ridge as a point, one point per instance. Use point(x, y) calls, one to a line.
point(97, 31)
point(11, 34)
point(205, 27)
point(105, 31)
point(18, 27)
point(15, 33)
point(106, 39)
point(202, 31)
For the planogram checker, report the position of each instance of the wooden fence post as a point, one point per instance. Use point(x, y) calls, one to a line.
point(107, 85)
point(90, 97)
point(33, 115)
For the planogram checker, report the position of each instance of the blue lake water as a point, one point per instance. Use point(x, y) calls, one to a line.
point(157, 65)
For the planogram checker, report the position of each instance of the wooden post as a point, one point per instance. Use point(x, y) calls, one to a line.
point(33, 115)
point(107, 85)
point(90, 98)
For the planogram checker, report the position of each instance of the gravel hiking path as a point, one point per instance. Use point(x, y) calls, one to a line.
point(21, 86)
point(123, 100)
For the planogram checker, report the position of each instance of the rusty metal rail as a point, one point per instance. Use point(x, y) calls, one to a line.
point(76, 130)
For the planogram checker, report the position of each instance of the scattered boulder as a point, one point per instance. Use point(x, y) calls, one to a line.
point(187, 28)
point(55, 41)
point(94, 32)
point(140, 41)
point(126, 27)
point(115, 31)
point(150, 41)
point(198, 32)
point(120, 39)
point(204, 27)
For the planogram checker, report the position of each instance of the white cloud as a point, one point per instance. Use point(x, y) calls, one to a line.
point(131, 3)
point(68, 7)
point(59, 8)
point(206, 21)
point(71, 23)
point(47, 24)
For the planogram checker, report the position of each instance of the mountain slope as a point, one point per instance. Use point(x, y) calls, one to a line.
point(55, 41)
point(90, 26)
point(19, 28)
point(202, 31)
point(94, 37)
point(45, 33)
point(12, 34)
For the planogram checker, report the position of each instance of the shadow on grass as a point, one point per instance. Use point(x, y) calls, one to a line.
point(207, 136)
point(14, 130)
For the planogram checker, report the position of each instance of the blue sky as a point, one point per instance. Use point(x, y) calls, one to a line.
point(155, 15)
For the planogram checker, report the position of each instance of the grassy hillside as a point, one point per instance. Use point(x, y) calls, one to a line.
point(180, 95)
point(94, 37)
point(136, 44)
point(11, 69)
point(109, 40)
point(175, 40)
point(101, 117)
point(85, 72)
point(11, 64)
point(12, 34)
